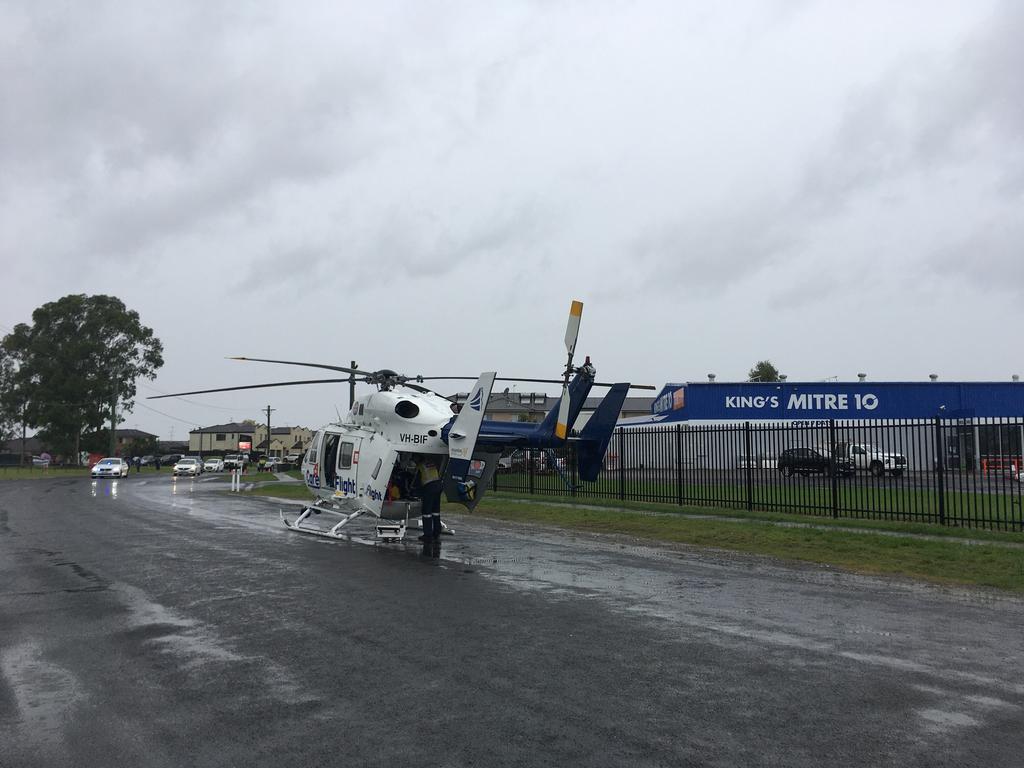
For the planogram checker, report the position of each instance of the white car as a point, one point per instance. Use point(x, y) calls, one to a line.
point(190, 465)
point(110, 467)
point(213, 464)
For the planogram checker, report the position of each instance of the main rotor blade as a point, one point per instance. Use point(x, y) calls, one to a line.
point(562, 425)
point(253, 386)
point(572, 328)
point(308, 365)
point(536, 381)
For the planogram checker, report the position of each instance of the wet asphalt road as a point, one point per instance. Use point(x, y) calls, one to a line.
point(168, 625)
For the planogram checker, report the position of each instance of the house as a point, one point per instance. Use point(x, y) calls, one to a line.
point(125, 437)
point(222, 438)
point(248, 436)
point(283, 440)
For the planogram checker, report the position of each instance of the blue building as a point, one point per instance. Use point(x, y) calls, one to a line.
point(983, 422)
point(813, 401)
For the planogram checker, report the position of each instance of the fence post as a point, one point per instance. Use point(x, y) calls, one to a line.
point(572, 466)
point(622, 465)
point(529, 461)
point(679, 464)
point(940, 469)
point(834, 465)
point(750, 471)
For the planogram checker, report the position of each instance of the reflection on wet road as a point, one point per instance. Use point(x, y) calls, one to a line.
point(174, 601)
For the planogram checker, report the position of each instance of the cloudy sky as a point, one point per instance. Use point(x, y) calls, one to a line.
point(425, 186)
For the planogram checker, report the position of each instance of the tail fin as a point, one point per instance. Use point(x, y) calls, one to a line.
point(598, 432)
point(463, 433)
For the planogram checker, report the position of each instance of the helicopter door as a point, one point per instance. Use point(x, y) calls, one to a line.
point(376, 463)
point(346, 466)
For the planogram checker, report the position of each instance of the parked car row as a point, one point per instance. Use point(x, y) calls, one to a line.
point(841, 459)
point(185, 465)
point(519, 461)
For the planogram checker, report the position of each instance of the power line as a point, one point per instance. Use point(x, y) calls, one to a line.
point(154, 410)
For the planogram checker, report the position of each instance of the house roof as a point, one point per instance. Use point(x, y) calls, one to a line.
point(32, 445)
point(246, 429)
point(133, 433)
point(242, 427)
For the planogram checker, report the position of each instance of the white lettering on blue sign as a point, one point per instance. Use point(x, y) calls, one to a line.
point(737, 401)
point(803, 401)
point(663, 403)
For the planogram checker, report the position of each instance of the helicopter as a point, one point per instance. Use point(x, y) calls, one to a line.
point(352, 465)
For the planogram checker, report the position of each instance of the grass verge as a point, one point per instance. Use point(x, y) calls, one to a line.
point(283, 491)
point(37, 473)
point(865, 551)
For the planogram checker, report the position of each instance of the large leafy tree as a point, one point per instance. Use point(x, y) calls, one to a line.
point(79, 361)
point(763, 371)
point(10, 405)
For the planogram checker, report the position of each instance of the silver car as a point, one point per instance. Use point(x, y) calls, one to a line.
point(213, 464)
point(110, 467)
point(189, 465)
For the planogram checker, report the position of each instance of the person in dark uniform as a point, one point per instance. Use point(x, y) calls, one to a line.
point(429, 481)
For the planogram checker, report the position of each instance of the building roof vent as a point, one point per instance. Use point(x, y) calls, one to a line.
point(933, 376)
point(711, 378)
point(783, 377)
point(861, 376)
point(1015, 377)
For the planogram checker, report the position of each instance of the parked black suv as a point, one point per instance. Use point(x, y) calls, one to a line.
point(807, 460)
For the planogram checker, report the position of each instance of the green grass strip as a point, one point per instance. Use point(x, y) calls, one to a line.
point(947, 562)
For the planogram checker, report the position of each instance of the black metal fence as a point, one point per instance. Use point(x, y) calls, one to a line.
point(948, 472)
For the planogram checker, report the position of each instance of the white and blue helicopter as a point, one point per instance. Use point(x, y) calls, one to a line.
point(351, 465)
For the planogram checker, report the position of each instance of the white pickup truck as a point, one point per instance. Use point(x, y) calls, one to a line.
point(867, 457)
point(233, 461)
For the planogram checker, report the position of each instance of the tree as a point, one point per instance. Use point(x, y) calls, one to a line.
point(79, 360)
point(10, 406)
point(763, 371)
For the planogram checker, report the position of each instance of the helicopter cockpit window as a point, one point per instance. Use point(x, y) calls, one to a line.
point(407, 409)
point(345, 456)
point(314, 446)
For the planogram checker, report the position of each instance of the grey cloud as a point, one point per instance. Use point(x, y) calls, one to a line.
point(930, 113)
point(695, 255)
point(989, 256)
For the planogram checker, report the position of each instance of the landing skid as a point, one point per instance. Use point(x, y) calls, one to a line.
point(387, 530)
point(333, 533)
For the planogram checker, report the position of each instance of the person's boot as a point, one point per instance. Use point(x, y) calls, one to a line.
point(426, 527)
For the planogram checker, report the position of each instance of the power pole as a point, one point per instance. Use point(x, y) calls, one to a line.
point(269, 410)
point(352, 385)
point(113, 423)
